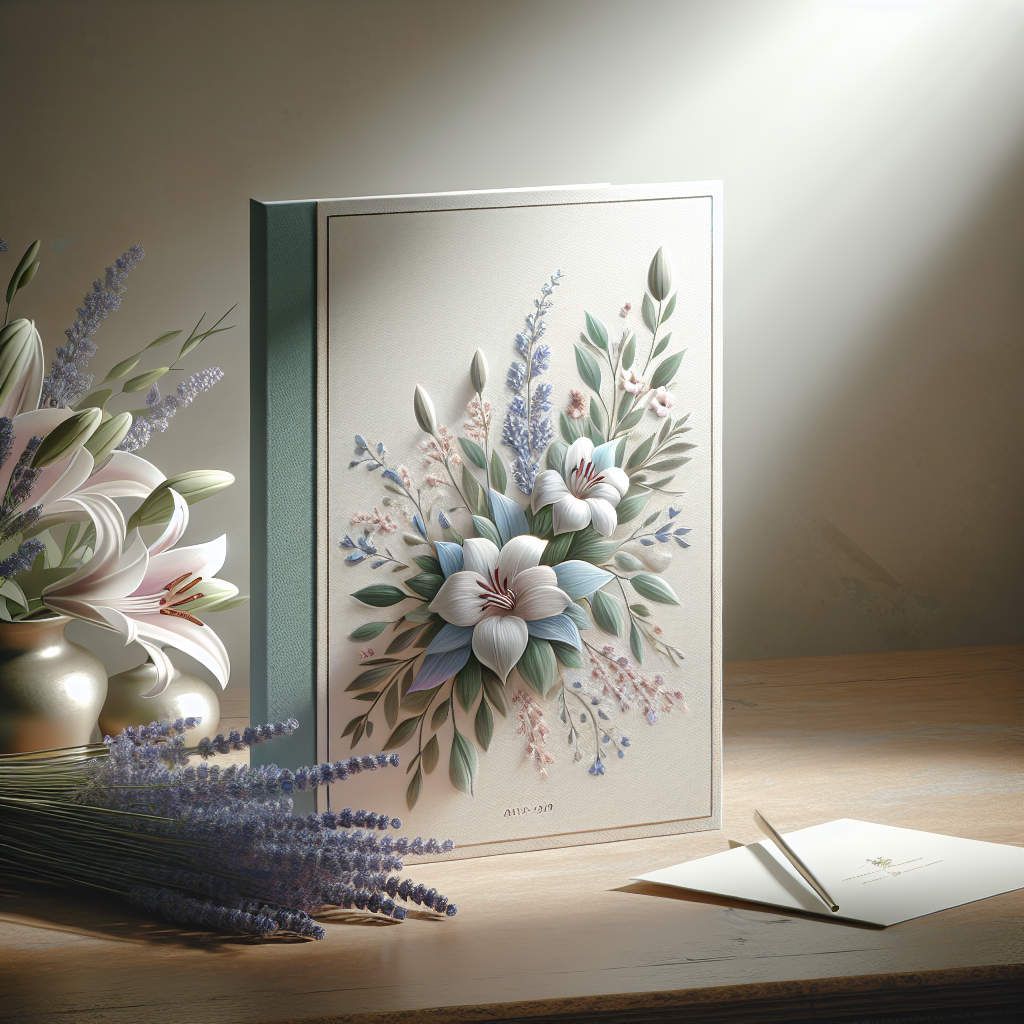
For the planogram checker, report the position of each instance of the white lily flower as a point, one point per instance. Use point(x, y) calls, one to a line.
point(144, 593)
point(120, 475)
point(496, 594)
point(587, 490)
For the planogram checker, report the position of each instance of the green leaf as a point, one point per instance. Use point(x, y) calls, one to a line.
point(123, 367)
point(473, 452)
point(557, 549)
point(10, 589)
point(351, 725)
point(494, 691)
point(555, 457)
point(412, 794)
point(380, 595)
point(402, 640)
point(597, 332)
point(487, 529)
point(440, 715)
point(567, 655)
point(431, 755)
point(462, 764)
point(428, 563)
point(370, 677)
point(391, 705)
point(589, 546)
point(542, 525)
point(597, 415)
point(654, 589)
point(484, 725)
point(144, 381)
point(568, 429)
point(593, 433)
point(538, 665)
point(589, 370)
point(666, 370)
point(418, 701)
point(640, 453)
point(661, 346)
point(499, 475)
point(467, 683)
point(665, 465)
point(631, 506)
point(432, 629)
point(607, 613)
point(402, 733)
point(629, 352)
point(640, 609)
point(632, 419)
point(96, 400)
point(636, 643)
point(169, 336)
point(624, 560)
point(26, 261)
point(670, 307)
point(649, 313)
point(473, 491)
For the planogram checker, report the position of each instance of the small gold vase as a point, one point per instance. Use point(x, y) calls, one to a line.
point(186, 696)
point(51, 689)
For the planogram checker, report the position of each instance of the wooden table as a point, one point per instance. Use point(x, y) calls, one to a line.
point(926, 740)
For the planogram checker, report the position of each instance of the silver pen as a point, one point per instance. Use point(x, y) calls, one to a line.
point(791, 856)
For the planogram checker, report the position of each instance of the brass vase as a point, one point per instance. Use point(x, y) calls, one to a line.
point(51, 689)
point(186, 696)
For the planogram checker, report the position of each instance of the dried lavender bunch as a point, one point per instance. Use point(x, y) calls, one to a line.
point(203, 845)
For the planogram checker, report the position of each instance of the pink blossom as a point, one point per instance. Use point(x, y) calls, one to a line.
point(660, 402)
point(377, 521)
point(479, 424)
point(577, 407)
point(624, 312)
point(365, 652)
point(629, 381)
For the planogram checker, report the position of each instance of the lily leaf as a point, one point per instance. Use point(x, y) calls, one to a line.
point(380, 595)
point(412, 794)
point(473, 452)
point(462, 764)
point(484, 725)
point(597, 332)
point(666, 370)
point(431, 754)
point(467, 683)
point(538, 666)
point(589, 370)
point(607, 613)
point(654, 588)
point(499, 475)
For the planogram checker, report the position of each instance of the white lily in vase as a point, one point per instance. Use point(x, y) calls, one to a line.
point(145, 593)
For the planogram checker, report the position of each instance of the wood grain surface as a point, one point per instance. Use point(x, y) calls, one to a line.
point(927, 740)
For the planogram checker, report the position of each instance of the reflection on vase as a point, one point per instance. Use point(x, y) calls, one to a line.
point(186, 696)
point(51, 689)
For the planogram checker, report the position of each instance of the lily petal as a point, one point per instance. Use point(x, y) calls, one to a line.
point(569, 514)
point(480, 555)
point(175, 527)
point(499, 642)
point(580, 579)
point(581, 450)
point(604, 455)
point(199, 642)
point(602, 516)
point(617, 478)
point(199, 559)
point(450, 638)
point(538, 595)
point(450, 556)
point(558, 627)
point(123, 475)
point(436, 668)
point(460, 600)
point(164, 668)
point(518, 554)
point(547, 489)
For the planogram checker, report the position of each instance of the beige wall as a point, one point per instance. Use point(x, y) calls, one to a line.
point(873, 155)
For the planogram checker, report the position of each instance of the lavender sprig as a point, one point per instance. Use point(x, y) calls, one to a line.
point(205, 845)
point(161, 410)
point(527, 429)
point(68, 380)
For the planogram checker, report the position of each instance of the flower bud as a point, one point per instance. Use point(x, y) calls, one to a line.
point(478, 371)
point(67, 437)
point(215, 594)
point(108, 436)
point(21, 367)
point(659, 277)
point(21, 269)
point(192, 486)
point(424, 409)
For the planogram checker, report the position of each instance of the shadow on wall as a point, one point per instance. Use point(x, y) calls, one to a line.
point(914, 468)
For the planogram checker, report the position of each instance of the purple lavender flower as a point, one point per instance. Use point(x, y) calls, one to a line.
point(3, 245)
point(160, 411)
point(22, 559)
point(527, 430)
point(68, 380)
